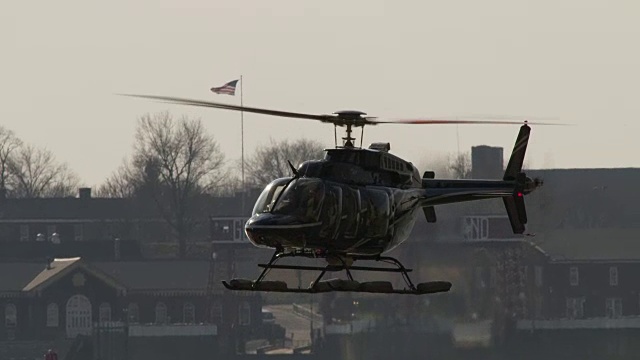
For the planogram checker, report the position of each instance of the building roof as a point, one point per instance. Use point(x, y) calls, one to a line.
point(88, 250)
point(56, 268)
point(16, 276)
point(168, 275)
point(585, 198)
point(598, 244)
point(578, 214)
point(65, 208)
point(171, 275)
point(77, 208)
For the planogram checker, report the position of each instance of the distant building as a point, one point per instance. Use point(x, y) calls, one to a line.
point(592, 273)
point(109, 275)
point(570, 282)
point(487, 162)
point(113, 228)
point(72, 297)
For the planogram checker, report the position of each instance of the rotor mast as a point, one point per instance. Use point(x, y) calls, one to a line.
point(348, 140)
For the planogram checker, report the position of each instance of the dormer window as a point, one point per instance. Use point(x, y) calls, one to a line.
point(574, 279)
point(78, 232)
point(613, 276)
point(24, 232)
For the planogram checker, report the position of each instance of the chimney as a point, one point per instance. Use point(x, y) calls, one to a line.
point(487, 162)
point(116, 249)
point(84, 193)
point(49, 262)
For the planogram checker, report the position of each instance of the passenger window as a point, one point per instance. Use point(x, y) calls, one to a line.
point(331, 211)
point(376, 217)
point(350, 211)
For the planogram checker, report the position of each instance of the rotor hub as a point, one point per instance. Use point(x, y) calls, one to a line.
point(350, 118)
point(350, 114)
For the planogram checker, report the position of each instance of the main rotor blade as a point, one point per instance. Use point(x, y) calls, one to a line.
point(443, 121)
point(211, 104)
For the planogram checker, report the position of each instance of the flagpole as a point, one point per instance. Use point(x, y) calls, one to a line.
point(242, 140)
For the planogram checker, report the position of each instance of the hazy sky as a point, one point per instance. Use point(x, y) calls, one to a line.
point(574, 60)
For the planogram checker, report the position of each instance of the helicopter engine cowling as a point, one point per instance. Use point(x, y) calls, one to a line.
point(311, 168)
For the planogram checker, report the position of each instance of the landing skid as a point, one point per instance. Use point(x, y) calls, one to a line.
point(323, 286)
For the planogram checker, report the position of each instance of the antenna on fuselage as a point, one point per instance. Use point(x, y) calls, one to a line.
point(293, 169)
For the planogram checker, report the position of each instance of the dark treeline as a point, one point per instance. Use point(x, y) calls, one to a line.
point(177, 155)
point(27, 171)
point(173, 163)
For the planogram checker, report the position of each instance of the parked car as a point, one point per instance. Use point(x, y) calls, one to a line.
point(267, 317)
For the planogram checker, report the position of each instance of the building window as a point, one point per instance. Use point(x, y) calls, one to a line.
point(188, 313)
point(538, 276)
point(575, 308)
point(613, 276)
point(133, 313)
point(10, 316)
point(24, 232)
point(479, 278)
point(216, 313)
point(109, 231)
point(50, 230)
point(161, 313)
point(493, 277)
point(105, 312)
point(53, 315)
point(539, 303)
point(614, 307)
point(78, 232)
point(245, 313)
point(524, 271)
point(573, 276)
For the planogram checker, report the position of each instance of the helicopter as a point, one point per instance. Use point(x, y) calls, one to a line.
point(358, 204)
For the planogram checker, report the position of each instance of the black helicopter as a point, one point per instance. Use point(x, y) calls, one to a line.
point(360, 203)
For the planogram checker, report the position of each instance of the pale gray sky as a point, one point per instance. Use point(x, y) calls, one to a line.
point(575, 60)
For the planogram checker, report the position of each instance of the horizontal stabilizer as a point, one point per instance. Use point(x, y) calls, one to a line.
point(429, 211)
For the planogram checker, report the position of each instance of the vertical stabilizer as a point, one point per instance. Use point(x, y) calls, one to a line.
point(516, 209)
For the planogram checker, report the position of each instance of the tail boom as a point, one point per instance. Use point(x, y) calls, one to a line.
point(512, 188)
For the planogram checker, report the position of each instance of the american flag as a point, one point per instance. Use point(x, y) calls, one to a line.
point(228, 88)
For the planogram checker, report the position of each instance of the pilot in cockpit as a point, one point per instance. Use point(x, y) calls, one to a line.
point(313, 202)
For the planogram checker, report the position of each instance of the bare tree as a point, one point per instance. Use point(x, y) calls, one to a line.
point(230, 184)
point(271, 161)
point(9, 143)
point(123, 183)
point(34, 172)
point(440, 164)
point(460, 165)
point(457, 166)
point(175, 162)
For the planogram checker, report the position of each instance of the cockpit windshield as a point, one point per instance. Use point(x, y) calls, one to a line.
point(269, 195)
point(302, 198)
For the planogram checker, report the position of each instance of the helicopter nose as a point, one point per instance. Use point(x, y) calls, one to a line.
point(264, 229)
point(273, 230)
